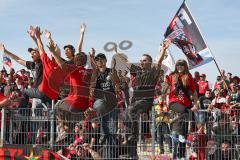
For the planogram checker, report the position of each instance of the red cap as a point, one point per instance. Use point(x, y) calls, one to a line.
point(236, 77)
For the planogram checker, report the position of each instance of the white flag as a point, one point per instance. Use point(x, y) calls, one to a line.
point(168, 63)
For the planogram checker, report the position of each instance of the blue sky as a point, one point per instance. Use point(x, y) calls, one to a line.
point(142, 22)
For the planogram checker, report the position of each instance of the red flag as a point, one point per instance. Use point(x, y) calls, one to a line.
point(7, 61)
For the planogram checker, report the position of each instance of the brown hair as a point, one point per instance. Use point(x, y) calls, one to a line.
point(186, 72)
point(149, 57)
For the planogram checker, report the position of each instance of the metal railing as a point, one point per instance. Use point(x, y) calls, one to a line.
point(215, 137)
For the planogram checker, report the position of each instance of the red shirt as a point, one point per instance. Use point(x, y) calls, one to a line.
point(78, 96)
point(180, 98)
point(215, 85)
point(196, 79)
point(52, 78)
point(2, 97)
point(120, 99)
point(21, 78)
point(203, 86)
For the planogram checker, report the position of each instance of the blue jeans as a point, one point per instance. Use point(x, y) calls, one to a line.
point(32, 93)
point(132, 114)
point(108, 120)
point(179, 127)
point(201, 116)
point(163, 132)
point(179, 148)
point(107, 116)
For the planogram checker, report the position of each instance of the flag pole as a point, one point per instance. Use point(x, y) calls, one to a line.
point(224, 81)
point(207, 47)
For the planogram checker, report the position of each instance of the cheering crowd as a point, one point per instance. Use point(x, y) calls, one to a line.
point(97, 108)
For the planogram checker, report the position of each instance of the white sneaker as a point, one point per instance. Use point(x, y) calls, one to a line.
point(181, 139)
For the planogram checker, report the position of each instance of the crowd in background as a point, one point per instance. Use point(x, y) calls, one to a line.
point(97, 108)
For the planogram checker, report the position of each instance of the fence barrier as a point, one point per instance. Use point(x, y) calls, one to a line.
point(166, 135)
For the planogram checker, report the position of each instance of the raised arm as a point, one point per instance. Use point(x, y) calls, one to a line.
point(39, 40)
point(94, 70)
point(115, 77)
point(48, 36)
point(56, 54)
point(13, 56)
point(31, 33)
point(53, 47)
point(162, 52)
point(82, 32)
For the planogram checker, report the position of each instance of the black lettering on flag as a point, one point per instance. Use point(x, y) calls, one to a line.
point(185, 34)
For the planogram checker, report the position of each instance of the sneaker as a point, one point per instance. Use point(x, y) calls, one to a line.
point(181, 139)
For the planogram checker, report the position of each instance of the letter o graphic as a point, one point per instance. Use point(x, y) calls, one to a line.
point(109, 46)
point(124, 45)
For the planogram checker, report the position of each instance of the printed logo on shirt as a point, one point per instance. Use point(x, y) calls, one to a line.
point(106, 86)
point(181, 95)
point(206, 103)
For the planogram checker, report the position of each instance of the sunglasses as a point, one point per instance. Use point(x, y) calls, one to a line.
point(180, 65)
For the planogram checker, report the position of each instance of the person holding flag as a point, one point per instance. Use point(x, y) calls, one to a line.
point(146, 78)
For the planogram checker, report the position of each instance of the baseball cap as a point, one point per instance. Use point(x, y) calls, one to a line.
point(69, 46)
point(32, 49)
point(100, 55)
point(203, 75)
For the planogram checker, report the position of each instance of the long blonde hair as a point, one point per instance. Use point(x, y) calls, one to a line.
point(185, 76)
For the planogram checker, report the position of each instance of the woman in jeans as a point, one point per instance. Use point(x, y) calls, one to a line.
point(182, 91)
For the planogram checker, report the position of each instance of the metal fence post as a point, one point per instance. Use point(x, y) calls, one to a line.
point(52, 125)
point(140, 133)
point(11, 127)
point(153, 131)
point(3, 128)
